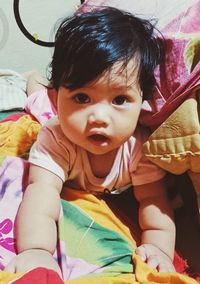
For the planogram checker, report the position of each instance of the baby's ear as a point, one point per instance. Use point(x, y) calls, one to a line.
point(53, 94)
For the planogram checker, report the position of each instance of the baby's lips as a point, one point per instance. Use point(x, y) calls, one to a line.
point(98, 137)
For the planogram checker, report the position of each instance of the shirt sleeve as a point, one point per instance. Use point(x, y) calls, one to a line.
point(142, 170)
point(146, 172)
point(52, 151)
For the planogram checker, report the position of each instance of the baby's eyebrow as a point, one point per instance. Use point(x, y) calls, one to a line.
point(126, 86)
point(122, 87)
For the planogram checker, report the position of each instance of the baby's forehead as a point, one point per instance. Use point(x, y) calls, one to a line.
point(120, 73)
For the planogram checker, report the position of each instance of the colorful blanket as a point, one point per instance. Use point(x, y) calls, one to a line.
point(96, 241)
point(97, 235)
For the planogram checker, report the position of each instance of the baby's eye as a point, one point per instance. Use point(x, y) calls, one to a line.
point(120, 100)
point(82, 98)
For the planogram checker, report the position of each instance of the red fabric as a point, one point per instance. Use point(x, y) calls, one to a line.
point(13, 117)
point(179, 263)
point(175, 78)
point(182, 267)
point(40, 276)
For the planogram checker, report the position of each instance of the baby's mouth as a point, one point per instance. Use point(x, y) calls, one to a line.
point(98, 139)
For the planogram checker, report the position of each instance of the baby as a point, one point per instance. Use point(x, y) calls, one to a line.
point(101, 71)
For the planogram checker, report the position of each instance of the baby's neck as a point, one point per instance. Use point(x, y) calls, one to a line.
point(101, 165)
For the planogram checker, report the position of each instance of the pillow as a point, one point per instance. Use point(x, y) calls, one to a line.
point(175, 144)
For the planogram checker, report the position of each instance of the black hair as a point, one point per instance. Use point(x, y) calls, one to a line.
point(88, 44)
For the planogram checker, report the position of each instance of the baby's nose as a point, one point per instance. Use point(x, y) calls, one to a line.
point(99, 115)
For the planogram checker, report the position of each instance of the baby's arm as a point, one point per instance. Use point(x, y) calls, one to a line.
point(156, 222)
point(36, 231)
point(35, 82)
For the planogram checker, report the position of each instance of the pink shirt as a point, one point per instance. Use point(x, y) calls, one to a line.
point(54, 152)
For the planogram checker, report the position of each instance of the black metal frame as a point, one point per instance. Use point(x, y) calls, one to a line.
point(25, 31)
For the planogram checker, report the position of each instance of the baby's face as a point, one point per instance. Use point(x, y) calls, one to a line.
point(102, 115)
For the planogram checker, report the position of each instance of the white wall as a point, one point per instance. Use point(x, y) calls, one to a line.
point(38, 16)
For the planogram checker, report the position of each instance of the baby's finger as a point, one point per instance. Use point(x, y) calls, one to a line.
point(165, 267)
point(141, 251)
point(153, 261)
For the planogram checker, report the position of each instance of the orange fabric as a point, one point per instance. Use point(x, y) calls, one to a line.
point(102, 214)
point(16, 137)
point(143, 275)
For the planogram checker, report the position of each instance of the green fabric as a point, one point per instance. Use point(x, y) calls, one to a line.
point(93, 243)
point(4, 114)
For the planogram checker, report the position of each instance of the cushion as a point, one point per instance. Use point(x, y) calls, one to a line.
point(175, 144)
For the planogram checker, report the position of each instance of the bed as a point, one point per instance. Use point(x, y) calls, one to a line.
point(98, 235)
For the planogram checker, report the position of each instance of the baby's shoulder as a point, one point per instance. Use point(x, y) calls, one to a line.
point(52, 122)
point(52, 127)
point(53, 131)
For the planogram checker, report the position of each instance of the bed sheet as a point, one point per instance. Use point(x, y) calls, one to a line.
point(96, 240)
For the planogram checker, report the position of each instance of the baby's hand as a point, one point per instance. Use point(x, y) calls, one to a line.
point(33, 258)
point(155, 258)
